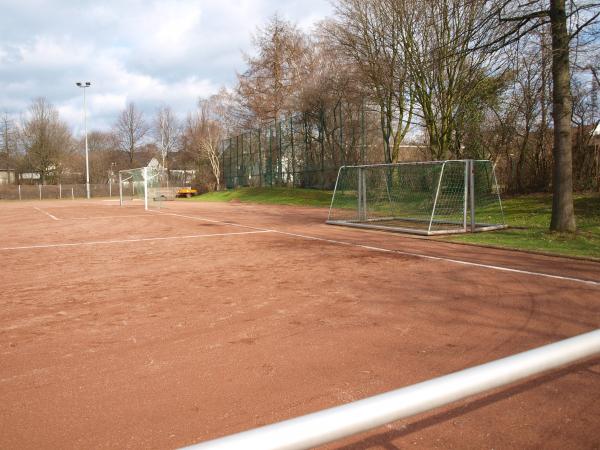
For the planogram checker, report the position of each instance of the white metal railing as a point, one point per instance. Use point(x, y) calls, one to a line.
point(342, 421)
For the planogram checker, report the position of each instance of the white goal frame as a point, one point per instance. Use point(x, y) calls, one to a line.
point(127, 175)
point(431, 225)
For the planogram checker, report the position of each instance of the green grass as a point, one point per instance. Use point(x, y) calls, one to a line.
point(271, 196)
point(529, 217)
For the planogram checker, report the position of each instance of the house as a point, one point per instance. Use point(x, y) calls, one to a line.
point(7, 176)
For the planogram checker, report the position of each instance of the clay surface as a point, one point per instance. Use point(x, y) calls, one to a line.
point(121, 328)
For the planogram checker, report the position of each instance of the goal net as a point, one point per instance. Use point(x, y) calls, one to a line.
point(434, 197)
point(146, 186)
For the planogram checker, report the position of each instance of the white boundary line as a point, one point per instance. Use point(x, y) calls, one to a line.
point(46, 212)
point(121, 241)
point(400, 252)
point(104, 217)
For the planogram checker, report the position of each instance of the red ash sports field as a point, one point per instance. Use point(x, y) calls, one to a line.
point(121, 328)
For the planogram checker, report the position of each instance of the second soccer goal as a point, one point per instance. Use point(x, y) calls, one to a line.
point(146, 186)
point(433, 197)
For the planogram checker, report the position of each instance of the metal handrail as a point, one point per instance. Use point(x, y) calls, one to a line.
point(342, 421)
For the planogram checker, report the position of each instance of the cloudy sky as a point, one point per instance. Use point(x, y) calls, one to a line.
point(149, 52)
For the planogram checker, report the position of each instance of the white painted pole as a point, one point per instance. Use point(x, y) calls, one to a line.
point(60, 191)
point(334, 191)
point(40, 188)
point(339, 422)
point(120, 190)
point(437, 194)
point(72, 194)
point(145, 188)
point(19, 192)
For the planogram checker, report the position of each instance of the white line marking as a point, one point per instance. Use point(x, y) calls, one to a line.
point(104, 217)
point(450, 260)
point(215, 221)
point(122, 241)
point(46, 212)
point(400, 252)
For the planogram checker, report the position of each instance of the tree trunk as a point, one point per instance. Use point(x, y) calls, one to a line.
point(563, 215)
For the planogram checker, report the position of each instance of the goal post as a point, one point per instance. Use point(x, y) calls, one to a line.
point(432, 197)
point(147, 186)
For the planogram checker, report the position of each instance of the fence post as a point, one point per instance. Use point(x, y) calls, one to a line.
point(361, 211)
point(60, 191)
point(260, 168)
point(251, 159)
point(19, 192)
point(40, 188)
point(223, 163)
point(466, 199)
point(236, 183)
point(306, 165)
point(322, 145)
point(72, 194)
point(121, 190)
point(342, 149)
point(146, 188)
point(279, 157)
point(472, 193)
point(293, 152)
point(362, 132)
point(110, 189)
point(270, 156)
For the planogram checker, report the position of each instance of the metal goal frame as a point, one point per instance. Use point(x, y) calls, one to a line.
point(431, 224)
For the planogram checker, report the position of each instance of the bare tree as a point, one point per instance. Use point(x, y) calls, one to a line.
point(567, 22)
point(446, 73)
point(269, 87)
point(46, 139)
point(211, 134)
point(585, 121)
point(367, 32)
point(167, 132)
point(130, 130)
point(215, 120)
point(8, 141)
point(104, 158)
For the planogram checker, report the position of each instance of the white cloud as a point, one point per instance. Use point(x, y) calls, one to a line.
point(149, 52)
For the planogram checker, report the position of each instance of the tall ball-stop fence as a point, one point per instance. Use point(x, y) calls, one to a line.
point(304, 150)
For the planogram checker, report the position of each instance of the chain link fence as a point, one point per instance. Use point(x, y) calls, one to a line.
point(57, 191)
point(304, 150)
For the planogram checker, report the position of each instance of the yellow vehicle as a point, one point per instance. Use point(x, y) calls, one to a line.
point(187, 192)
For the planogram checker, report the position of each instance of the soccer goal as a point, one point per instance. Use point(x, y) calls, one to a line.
point(146, 186)
point(433, 197)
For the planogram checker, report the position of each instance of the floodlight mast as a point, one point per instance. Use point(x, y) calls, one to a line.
point(85, 85)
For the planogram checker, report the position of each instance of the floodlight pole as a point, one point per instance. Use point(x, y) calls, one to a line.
point(85, 85)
